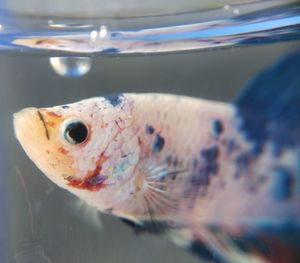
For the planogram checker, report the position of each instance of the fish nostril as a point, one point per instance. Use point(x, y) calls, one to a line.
point(44, 123)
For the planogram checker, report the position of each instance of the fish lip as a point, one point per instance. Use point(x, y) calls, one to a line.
point(18, 119)
point(17, 116)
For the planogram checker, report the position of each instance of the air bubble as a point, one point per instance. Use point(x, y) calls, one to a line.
point(102, 33)
point(236, 11)
point(71, 66)
point(93, 35)
point(227, 7)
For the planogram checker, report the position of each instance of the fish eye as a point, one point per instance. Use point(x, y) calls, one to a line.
point(74, 131)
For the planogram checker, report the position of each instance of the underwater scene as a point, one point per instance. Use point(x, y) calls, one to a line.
point(150, 132)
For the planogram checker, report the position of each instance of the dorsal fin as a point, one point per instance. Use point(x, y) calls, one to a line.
point(269, 106)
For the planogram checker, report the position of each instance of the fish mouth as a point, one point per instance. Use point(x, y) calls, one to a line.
point(27, 121)
point(20, 119)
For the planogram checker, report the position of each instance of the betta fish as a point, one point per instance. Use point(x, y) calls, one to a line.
point(220, 179)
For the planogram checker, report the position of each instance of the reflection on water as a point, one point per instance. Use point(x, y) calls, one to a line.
point(200, 30)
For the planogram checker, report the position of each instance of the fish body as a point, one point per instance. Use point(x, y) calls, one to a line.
point(217, 177)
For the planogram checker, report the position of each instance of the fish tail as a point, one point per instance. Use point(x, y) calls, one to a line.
point(269, 106)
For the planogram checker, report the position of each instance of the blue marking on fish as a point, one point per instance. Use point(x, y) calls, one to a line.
point(158, 144)
point(114, 100)
point(269, 108)
point(200, 250)
point(209, 157)
point(217, 128)
point(149, 129)
point(282, 183)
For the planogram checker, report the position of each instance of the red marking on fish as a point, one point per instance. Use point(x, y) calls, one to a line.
point(50, 123)
point(104, 124)
point(62, 150)
point(90, 181)
point(120, 123)
point(140, 141)
point(53, 114)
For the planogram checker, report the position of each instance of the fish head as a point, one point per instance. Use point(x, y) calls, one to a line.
point(83, 147)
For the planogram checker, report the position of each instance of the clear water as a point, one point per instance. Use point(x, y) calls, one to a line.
point(41, 223)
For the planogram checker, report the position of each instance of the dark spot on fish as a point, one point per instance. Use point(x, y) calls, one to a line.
point(204, 168)
point(149, 129)
point(169, 159)
point(162, 178)
point(217, 128)
point(174, 176)
point(129, 223)
point(65, 107)
point(202, 178)
point(44, 124)
point(231, 146)
point(281, 183)
point(199, 249)
point(148, 226)
point(214, 168)
point(115, 100)
point(175, 161)
point(209, 156)
point(242, 162)
point(98, 179)
point(155, 227)
point(158, 144)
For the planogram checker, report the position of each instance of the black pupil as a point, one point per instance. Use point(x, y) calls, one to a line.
point(76, 132)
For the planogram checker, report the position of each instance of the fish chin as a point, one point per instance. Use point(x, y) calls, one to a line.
point(41, 145)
